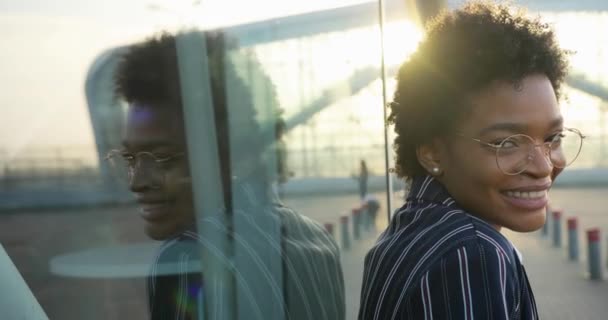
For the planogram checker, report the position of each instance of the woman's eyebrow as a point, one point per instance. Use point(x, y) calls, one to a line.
point(149, 145)
point(503, 126)
point(516, 127)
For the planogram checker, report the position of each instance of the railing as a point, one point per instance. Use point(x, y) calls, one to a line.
point(47, 167)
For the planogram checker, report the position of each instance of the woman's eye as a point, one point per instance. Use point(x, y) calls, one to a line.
point(167, 161)
point(508, 143)
point(496, 143)
point(129, 158)
point(556, 137)
point(163, 157)
point(499, 143)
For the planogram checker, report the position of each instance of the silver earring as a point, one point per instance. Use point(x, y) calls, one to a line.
point(435, 170)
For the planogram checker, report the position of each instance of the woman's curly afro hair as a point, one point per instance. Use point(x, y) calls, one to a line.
point(463, 52)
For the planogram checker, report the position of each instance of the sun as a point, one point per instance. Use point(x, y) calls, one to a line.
point(401, 39)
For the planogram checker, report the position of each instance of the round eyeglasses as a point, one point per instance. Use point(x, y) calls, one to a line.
point(514, 153)
point(124, 164)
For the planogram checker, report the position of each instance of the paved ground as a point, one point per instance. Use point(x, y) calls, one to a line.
point(328, 209)
point(560, 287)
point(33, 237)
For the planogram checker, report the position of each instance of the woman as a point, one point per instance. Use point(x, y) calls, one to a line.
point(481, 139)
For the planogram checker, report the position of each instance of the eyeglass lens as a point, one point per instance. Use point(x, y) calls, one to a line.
point(124, 167)
point(516, 152)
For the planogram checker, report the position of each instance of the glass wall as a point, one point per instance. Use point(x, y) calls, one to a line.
point(271, 182)
point(587, 84)
point(232, 168)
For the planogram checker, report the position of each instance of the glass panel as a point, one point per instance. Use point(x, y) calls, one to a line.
point(317, 96)
point(400, 39)
point(585, 109)
point(262, 140)
point(587, 84)
point(283, 173)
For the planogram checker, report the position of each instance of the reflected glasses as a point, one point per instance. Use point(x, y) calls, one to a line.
point(514, 153)
point(124, 164)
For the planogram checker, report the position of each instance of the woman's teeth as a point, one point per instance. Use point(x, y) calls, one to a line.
point(526, 194)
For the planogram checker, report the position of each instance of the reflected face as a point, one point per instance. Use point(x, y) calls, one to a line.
point(162, 191)
point(470, 172)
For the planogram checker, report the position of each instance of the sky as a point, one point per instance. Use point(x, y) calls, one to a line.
point(48, 46)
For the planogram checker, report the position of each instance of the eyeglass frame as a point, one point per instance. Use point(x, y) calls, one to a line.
point(548, 144)
point(159, 161)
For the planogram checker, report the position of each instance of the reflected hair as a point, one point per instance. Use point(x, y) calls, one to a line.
point(148, 73)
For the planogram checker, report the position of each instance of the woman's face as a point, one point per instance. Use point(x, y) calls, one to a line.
point(469, 169)
point(163, 192)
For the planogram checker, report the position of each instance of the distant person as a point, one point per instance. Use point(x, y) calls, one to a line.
point(481, 139)
point(372, 206)
point(155, 157)
point(363, 176)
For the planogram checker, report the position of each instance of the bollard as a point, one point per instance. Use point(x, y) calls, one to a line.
point(373, 205)
point(329, 227)
point(557, 228)
point(345, 233)
point(572, 239)
point(549, 221)
point(593, 254)
point(367, 221)
point(356, 223)
point(545, 229)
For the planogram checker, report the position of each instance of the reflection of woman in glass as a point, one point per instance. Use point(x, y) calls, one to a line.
point(283, 173)
point(155, 159)
point(481, 139)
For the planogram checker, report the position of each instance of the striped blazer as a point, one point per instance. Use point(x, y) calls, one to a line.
point(436, 261)
point(312, 286)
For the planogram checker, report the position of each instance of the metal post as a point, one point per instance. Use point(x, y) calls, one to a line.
point(545, 229)
point(373, 205)
point(387, 142)
point(572, 239)
point(329, 227)
point(356, 223)
point(345, 232)
point(367, 221)
point(557, 228)
point(206, 181)
point(593, 255)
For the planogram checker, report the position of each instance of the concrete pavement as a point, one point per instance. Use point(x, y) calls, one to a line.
point(560, 286)
point(33, 237)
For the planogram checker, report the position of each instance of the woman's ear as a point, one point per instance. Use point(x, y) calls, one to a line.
point(429, 156)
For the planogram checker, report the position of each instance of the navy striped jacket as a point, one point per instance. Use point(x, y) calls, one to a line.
point(436, 261)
